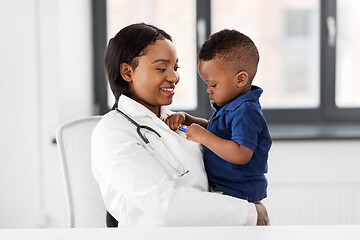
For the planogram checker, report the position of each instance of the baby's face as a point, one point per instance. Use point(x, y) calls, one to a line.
point(222, 83)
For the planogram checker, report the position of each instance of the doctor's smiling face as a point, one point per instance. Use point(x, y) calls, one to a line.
point(153, 81)
point(141, 63)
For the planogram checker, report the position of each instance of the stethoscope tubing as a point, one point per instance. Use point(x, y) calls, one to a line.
point(146, 141)
point(138, 127)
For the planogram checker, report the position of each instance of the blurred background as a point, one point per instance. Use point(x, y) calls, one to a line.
point(51, 72)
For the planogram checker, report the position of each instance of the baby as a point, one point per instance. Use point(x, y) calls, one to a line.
point(236, 139)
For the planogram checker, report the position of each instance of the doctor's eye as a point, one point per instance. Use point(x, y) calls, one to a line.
point(161, 69)
point(214, 85)
point(176, 68)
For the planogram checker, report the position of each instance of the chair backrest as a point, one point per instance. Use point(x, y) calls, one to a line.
point(85, 205)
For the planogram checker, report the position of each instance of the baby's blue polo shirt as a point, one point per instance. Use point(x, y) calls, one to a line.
point(241, 121)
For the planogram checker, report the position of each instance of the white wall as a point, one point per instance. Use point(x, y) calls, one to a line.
point(45, 80)
point(314, 182)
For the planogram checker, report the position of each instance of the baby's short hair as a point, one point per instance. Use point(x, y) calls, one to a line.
point(234, 48)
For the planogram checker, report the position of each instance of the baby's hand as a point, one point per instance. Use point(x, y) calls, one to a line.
point(195, 133)
point(175, 120)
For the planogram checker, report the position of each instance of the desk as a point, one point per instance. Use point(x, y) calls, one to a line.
point(338, 232)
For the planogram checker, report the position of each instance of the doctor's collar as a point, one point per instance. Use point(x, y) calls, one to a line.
point(136, 109)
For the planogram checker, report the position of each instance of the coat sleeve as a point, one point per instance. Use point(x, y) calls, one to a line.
point(121, 161)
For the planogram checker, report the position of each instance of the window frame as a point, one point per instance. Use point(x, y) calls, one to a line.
point(99, 34)
point(326, 113)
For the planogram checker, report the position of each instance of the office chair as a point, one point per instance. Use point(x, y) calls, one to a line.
point(85, 206)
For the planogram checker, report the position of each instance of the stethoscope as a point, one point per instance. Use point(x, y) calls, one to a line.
point(147, 142)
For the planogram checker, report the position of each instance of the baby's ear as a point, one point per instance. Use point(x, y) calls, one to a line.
point(126, 72)
point(242, 78)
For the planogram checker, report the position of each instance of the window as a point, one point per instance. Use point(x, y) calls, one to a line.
point(178, 19)
point(348, 54)
point(309, 52)
point(286, 33)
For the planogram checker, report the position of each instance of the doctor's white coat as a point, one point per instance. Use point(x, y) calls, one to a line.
point(141, 186)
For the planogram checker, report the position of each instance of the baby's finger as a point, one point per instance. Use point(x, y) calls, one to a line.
point(167, 120)
point(173, 126)
point(169, 123)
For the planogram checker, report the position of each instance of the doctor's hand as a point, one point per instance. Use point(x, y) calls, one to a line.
point(195, 133)
point(175, 120)
point(262, 218)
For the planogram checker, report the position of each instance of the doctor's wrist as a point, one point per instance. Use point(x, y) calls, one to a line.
point(262, 215)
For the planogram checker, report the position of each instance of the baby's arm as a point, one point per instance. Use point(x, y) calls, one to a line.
point(226, 149)
point(182, 118)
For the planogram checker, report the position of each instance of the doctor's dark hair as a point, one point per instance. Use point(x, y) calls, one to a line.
point(129, 43)
point(234, 48)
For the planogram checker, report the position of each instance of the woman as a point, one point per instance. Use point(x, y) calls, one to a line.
point(162, 182)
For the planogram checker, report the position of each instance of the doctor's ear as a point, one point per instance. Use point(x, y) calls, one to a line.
point(242, 78)
point(126, 72)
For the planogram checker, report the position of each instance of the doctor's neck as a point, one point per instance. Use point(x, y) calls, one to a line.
point(154, 109)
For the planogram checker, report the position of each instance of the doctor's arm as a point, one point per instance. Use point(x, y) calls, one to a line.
point(134, 172)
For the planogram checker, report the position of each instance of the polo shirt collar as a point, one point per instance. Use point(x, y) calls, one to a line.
point(253, 96)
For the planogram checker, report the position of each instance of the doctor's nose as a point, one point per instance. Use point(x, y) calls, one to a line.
point(173, 76)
